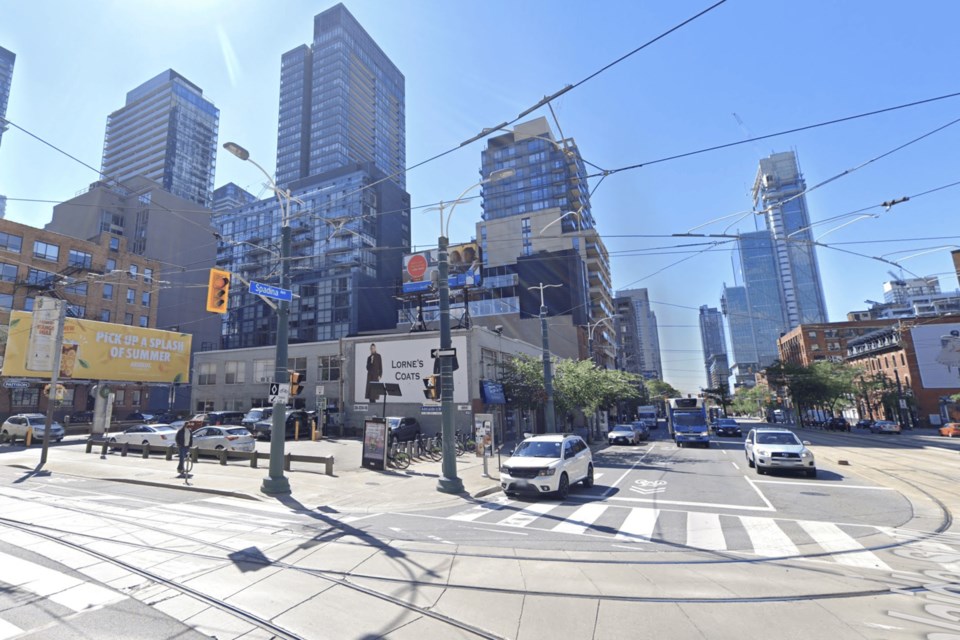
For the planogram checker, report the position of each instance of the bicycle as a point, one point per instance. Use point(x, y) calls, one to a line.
point(399, 459)
point(466, 442)
point(425, 450)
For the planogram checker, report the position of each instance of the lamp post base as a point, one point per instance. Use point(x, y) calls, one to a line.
point(275, 486)
point(450, 485)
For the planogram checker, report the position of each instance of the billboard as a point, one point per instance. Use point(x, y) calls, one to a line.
point(100, 351)
point(938, 354)
point(464, 262)
point(406, 363)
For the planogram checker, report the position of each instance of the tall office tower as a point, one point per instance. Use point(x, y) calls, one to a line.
point(545, 206)
point(346, 258)
point(341, 103)
point(743, 346)
point(714, 346)
point(230, 196)
point(778, 192)
point(647, 338)
point(7, 58)
point(761, 279)
point(166, 132)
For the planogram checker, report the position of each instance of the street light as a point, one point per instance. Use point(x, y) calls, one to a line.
point(276, 483)
point(449, 482)
point(591, 327)
point(549, 413)
point(562, 216)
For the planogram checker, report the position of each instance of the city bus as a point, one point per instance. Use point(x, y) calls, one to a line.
point(687, 421)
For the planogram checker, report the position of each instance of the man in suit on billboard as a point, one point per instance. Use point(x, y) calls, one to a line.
point(374, 372)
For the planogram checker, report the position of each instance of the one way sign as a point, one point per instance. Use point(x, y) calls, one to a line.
point(443, 353)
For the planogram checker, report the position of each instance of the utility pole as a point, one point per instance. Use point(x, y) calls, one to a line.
point(549, 413)
point(61, 310)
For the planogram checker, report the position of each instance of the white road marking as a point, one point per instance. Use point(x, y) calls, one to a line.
point(639, 525)
point(704, 531)
point(620, 546)
point(823, 486)
point(352, 519)
point(767, 538)
point(682, 503)
point(724, 451)
point(525, 516)
point(833, 539)
point(8, 630)
point(581, 519)
point(597, 476)
point(760, 493)
point(73, 593)
point(483, 509)
point(513, 533)
point(735, 465)
point(612, 487)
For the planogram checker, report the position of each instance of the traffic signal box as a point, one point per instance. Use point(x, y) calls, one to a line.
point(431, 386)
point(296, 382)
point(217, 291)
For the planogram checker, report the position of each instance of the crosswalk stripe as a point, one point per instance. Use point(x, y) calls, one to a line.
point(581, 519)
point(8, 630)
point(639, 524)
point(481, 510)
point(835, 540)
point(527, 515)
point(71, 592)
point(767, 538)
point(704, 531)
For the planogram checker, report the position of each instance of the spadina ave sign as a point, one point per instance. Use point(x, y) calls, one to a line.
point(270, 291)
point(102, 351)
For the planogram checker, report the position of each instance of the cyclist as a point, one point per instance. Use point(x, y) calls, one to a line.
point(184, 439)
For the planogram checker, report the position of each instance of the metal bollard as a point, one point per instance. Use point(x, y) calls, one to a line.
point(222, 454)
point(123, 449)
point(146, 451)
point(329, 470)
point(286, 462)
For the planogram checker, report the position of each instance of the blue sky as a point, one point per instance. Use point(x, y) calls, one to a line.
point(470, 65)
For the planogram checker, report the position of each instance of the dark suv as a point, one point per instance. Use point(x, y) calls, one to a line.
point(403, 429)
point(255, 415)
point(837, 423)
point(295, 417)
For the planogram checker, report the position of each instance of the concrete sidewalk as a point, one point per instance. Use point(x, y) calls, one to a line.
point(352, 488)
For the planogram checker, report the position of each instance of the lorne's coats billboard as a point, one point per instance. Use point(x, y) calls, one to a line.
point(408, 364)
point(101, 351)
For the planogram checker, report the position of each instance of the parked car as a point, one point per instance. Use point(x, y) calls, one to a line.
point(166, 417)
point(215, 419)
point(622, 434)
point(837, 423)
point(864, 423)
point(642, 430)
point(727, 427)
point(951, 430)
point(219, 438)
point(297, 425)
point(159, 435)
point(547, 464)
point(771, 448)
point(885, 426)
point(137, 416)
point(403, 429)
point(81, 416)
point(255, 415)
point(17, 425)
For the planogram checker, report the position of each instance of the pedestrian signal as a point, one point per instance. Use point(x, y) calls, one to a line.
point(217, 291)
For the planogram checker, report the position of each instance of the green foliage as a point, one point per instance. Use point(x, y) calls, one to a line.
point(661, 389)
point(523, 382)
point(748, 400)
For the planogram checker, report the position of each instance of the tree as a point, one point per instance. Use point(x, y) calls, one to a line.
point(661, 389)
point(749, 400)
point(523, 382)
point(721, 394)
point(582, 386)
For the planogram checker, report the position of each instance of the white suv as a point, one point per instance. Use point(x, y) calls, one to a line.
point(547, 464)
point(17, 426)
point(778, 449)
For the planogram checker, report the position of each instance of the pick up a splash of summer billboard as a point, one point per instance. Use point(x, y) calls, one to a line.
point(102, 351)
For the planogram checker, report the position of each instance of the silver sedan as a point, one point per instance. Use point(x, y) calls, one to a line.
point(158, 435)
point(220, 438)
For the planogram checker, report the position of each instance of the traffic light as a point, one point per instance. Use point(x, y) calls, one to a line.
point(431, 389)
point(296, 382)
point(217, 291)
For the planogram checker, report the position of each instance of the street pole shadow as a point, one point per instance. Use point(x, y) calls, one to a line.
point(37, 472)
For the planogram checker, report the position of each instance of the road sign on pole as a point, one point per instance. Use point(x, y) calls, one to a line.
point(270, 291)
point(443, 353)
point(279, 393)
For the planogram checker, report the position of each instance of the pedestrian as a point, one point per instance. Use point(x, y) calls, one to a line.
point(184, 439)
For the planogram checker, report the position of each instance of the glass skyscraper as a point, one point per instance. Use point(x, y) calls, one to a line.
point(714, 346)
point(167, 131)
point(341, 103)
point(761, 279)
point(743, 346)
point(778, 192)
point(7, 58)
point(647, 339)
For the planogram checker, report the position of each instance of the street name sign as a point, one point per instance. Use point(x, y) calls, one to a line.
point(270, 291)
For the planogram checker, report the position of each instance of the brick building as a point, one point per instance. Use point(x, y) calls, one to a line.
point(922, 359)
point(99, 279)
point(810, 343)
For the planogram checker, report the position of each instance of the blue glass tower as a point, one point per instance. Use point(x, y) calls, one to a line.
point(7, 58)
point(761, 279)
point(167, 131)
point(778, 192)
point(341, 103)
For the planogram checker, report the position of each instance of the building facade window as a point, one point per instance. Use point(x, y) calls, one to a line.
point(28, 303)
point(263, 370)
point(46, 251)
point(120, 396)
point(235, 372)
point(108, 292)
point(299, 365)
point(145, 298)
point(114, 244)
point(105, 315)
point(128, 318)
point(6, 301)
point(40, 277)
point(25, 397)
point(207, 373)
point(328, 368)
point(135, 397)
point(10, 242)
point(111, 265)
point(144, 321)
point(131, 295)
point(8, 272)
point(80, 259)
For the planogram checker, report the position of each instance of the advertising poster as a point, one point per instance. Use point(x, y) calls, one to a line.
point(938, 354)
point(464, 268)
point(98, 351)
point(375, 444)
point(408, 364)
point(483, 432)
